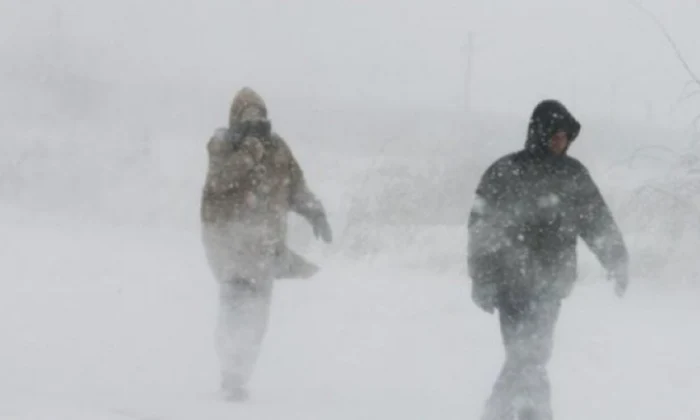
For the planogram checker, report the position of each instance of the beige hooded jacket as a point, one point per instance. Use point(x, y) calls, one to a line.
point(253, 180)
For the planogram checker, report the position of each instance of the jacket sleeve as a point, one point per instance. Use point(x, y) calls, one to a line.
point(301, 199)
point(487, 233)
point(596, 224)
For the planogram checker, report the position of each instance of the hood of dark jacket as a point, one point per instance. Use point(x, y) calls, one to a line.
point(548, 117)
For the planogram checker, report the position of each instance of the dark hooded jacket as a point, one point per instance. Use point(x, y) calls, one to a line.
point(530, 208)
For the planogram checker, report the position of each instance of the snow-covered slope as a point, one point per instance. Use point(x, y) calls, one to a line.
point(109, 323)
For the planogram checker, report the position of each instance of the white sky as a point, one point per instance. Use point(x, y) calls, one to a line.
point(600, 57)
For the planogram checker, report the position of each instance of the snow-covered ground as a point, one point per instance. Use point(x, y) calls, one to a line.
point(116, 322)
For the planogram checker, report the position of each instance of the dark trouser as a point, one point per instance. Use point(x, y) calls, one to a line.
point(244, 308)
point(527, 329)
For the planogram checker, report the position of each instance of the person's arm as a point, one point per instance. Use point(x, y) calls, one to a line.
point(598, 229)
point(303, 201)
point(487, 235)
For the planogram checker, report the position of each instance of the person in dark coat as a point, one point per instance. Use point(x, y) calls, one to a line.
point(529, 210)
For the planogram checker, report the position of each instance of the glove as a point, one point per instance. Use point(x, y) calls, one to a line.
point(621, 278)
point(322, 229)
point(484, 296)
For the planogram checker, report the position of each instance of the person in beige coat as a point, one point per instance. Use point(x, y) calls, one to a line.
point(253, 181)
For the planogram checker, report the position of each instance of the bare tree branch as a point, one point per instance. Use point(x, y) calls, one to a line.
point(689, 95)
point(689, 85)
point(669, 38)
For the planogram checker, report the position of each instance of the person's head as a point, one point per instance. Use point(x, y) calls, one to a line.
point(248, 115)
point(247, 105)
point(559, 142)
point(552, 129)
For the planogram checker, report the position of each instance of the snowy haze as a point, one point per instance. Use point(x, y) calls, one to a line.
point(108, 306)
